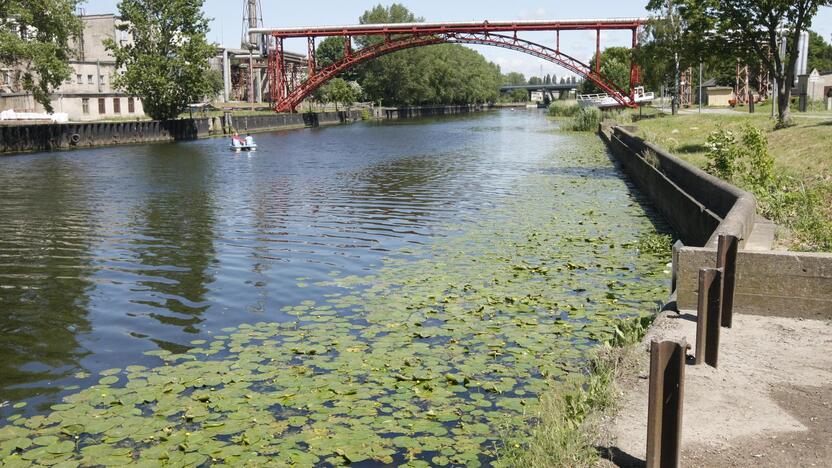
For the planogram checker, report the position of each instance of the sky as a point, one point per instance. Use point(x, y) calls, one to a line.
point(227, 19)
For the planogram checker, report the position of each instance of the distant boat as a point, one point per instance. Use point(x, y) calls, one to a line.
point(605, 101)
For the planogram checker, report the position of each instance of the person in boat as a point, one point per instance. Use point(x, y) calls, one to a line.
point(236, 141)
point(249, 140)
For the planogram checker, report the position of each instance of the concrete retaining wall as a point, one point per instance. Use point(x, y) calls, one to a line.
point(700, 208)
point(392, 113)
point(697, 205)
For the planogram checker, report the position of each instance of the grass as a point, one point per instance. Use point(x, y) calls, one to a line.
point(802, 199)
point(571, 415)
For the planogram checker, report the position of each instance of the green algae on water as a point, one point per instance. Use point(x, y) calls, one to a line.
point(424, 362)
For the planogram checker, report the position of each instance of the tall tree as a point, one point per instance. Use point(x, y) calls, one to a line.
point(820, 53)
point(615, 66)
point(166, 64)
point(35, 39)
point(758, 28)
point(439, 74)
point(514, 79)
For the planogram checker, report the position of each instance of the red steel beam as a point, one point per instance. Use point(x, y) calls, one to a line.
point(446, 28)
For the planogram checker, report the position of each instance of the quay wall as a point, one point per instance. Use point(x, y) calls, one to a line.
point(50, 137)
point(394, 113)
point(700, 207)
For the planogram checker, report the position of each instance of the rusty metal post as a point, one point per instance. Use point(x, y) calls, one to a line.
point(708, 314)
point(664, 407)
point(726, 260)
point(598, 52)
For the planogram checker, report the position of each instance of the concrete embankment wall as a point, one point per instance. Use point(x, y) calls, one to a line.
point(49, 137)
point(392, 113)
point(700, 207)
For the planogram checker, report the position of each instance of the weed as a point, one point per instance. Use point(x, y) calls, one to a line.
point(563, 109)
point(586, 120)
point(570, 415)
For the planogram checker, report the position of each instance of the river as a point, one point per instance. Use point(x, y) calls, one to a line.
point(408, 285)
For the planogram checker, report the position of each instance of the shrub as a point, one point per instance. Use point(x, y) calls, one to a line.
point(723, 153)
point(759, 173)
point(563, 109)
point(586, 120)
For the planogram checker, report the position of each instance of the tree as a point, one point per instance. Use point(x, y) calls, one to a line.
point(615, 66)
point(820, 53)
point(35, 38)
point(166, 64)
point(339, 90)
point(535, 80)
point(514, 79)
point(756, 28)
point(727, 30)
point(439, 74)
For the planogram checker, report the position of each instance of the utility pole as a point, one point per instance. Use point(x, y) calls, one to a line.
point(700, 86)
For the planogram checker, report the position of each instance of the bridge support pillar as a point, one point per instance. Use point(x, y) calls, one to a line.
point(598, 52)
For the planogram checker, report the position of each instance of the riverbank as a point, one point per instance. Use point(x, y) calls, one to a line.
point(51, 137)
point(759, 408)
point(800, 198)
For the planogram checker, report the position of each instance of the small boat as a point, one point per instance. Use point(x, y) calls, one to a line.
point(605, 101)
point(243, 148)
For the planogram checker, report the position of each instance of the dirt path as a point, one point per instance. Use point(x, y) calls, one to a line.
point(768, 404)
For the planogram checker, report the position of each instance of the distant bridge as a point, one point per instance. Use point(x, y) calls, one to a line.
point(542, 87)
point(399, 36)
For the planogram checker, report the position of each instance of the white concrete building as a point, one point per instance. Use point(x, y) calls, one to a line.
point(88, 94)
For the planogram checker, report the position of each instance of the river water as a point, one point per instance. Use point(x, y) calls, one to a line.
point(382, 248)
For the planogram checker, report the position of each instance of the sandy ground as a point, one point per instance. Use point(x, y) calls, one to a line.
point(768, 404)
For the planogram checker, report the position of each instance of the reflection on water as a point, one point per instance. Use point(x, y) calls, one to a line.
point(109, 253)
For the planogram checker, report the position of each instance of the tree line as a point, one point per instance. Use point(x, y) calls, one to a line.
point(166, 64)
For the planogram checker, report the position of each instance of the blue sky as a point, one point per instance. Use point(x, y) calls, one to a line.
point(226, 24)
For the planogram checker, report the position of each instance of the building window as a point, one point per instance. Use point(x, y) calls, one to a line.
point(7, 78)
point(89, 80)
point(117, 105)
point(101, 79)
point(131, 105)
point(79, 79)
point(85, 105)
point(102, 106)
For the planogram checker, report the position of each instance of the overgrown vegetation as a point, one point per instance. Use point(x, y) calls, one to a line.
point(569, 416)
point(654, 243)
point(586, 119)
point(789, 171)
point(563, 109)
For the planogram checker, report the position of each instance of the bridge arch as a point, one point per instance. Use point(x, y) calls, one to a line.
point(285, 99)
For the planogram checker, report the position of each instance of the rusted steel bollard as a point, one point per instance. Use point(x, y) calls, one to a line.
point(708, 314)
point(726, 260)
point(664, 405)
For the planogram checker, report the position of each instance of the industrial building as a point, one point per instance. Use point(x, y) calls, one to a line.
point(88, 94)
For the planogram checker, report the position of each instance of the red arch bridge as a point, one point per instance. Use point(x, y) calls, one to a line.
point(287, 92)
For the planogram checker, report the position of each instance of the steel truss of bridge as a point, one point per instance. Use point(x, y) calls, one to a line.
point(287, 93)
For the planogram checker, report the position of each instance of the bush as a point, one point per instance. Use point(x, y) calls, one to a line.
point(563, 109)
point(586, 120)
point(723, 153)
